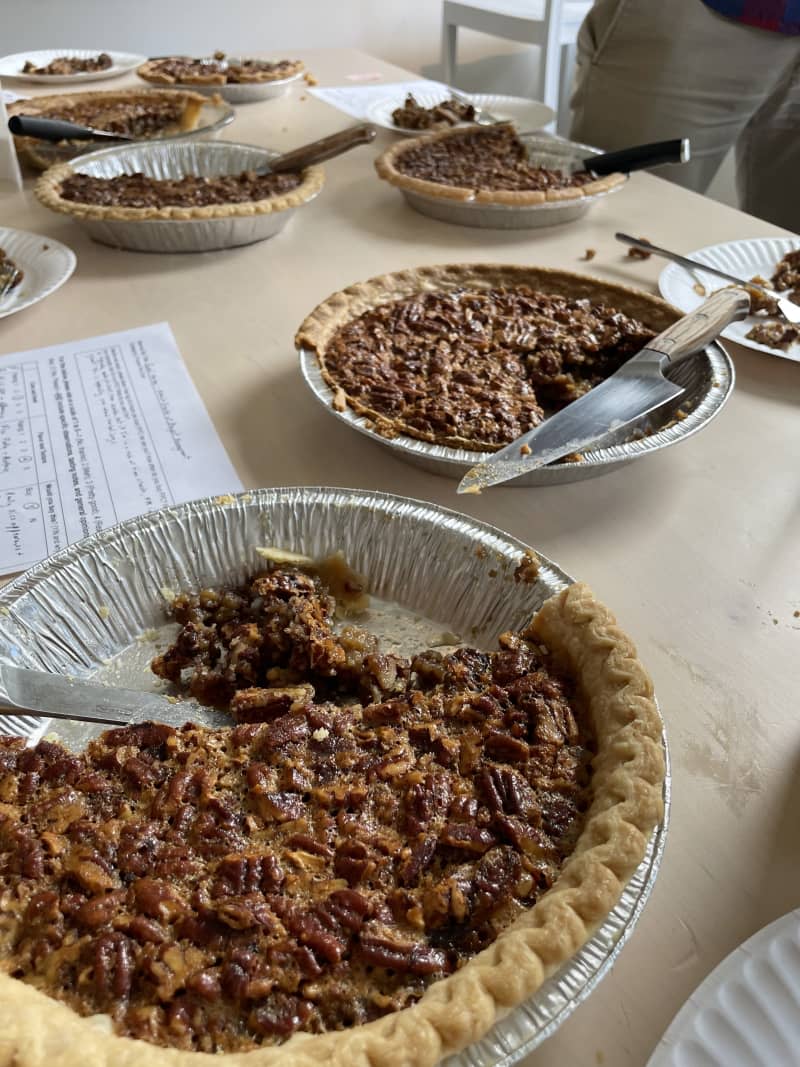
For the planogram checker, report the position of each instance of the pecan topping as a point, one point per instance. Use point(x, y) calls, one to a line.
point(216, 890)
point(192, 190)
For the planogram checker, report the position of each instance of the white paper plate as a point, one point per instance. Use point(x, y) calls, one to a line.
point(744, 259)
point(46, 265)
point(11, 66)
point(241, 93)
point(527, 115)
point(747, 1012)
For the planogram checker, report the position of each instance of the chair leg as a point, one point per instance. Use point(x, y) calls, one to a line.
point(449, 45)
point(567, 76)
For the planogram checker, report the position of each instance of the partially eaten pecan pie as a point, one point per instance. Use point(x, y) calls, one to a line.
point(217, 70)
point(487, 164)
point(474, 356)
point(393, 853)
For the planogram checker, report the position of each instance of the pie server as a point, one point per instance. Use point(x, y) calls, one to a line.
point(636, 389)
point(25, 692)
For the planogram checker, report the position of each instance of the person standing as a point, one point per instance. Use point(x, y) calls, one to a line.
point(721, 72)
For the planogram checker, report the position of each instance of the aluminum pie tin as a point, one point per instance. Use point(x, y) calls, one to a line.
point(86, 610)
point(708, 379)
point(207, 158)
point(213, 118)
point(243, 92)
point(543, 151)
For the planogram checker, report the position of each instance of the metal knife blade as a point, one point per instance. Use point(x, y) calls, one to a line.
point(58, 696)
point(637, 388)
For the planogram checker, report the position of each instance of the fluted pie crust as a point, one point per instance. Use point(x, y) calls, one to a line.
point(387, 166)
point(626, 789)
point(318, 329)
point(48, 190)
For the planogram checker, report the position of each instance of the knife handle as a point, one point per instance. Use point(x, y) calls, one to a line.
point(327, 148)
point(640, 157)
point(48, 129)
point(699, 328)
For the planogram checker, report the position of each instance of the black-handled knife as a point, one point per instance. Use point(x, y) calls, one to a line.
point(640, 157)
point(59, 130)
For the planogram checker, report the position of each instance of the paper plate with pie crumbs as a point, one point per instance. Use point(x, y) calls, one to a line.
point(97, 609)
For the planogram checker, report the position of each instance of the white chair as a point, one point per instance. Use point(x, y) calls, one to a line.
point(551, 24)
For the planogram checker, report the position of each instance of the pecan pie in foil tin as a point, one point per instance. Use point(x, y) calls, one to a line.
point(190, 234)
point(94, 610)
point(550, 152)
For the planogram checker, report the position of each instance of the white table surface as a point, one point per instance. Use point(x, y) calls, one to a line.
point(695, 548)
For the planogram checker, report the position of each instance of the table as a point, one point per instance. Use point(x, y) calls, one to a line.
point(694, 547)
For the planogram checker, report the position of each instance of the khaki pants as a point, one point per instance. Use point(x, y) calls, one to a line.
point(649, 70)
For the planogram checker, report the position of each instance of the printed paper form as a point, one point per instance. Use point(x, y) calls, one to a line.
point(356, 100)
point(96, 431)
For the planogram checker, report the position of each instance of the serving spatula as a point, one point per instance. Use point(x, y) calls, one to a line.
point(637, 388)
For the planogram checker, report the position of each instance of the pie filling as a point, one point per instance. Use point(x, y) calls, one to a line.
point(382, 822)
point(491, 158)
point(413, 116)
point(232, 71)
point(10, 274)
point(480, 366)
point(70, 65)
point(776, 332)
point(132, 118)
point(140, 191)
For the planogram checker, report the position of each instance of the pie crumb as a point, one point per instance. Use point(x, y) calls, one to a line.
point(320, 734)
point(474, 489)
point(797, 614)
point(590, 253)
point(774, 622)
point(639, 253)
point(104, 611)
point(528, 568)
point(225, 498)
point(700, 289)
point(524, 450)
point(309, 78)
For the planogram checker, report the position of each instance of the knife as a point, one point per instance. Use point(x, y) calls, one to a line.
point(59, 130)
point(58, 696)
point(638, 387)
point(639, 157)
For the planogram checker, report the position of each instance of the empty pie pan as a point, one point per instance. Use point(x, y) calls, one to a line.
point(214, 116)
point(207, 158)
point(708, 380)
point(243, 92)
point(96, 609)
point(549, 152)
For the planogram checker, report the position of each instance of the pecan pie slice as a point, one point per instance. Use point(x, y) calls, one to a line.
point(415, 116)
point(70, 65)
point(183, 70)
point(344, 878)
point(487, 164)
point(474, 356)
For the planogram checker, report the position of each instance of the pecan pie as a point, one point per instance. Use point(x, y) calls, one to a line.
point(413, 116)
point(379, 873)
point(70, 65)
point(10, 274)
point(487, 164)
point(776, 332)
point(474, 356)
point(142, 114)
point(139, 196)
point(183, 70)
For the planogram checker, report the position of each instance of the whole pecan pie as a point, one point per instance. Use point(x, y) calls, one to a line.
point(487, 164)
point(386, 854)
point(183, 70)
point(473, 356)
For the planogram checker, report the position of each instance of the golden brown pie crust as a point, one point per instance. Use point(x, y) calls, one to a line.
point(319, 327)
point(387, 167)
point(48, 190)
point(627, 788)
point(66, 102)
